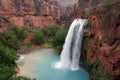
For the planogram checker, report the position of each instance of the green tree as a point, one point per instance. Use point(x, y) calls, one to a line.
point(59, 38)
point(51, 30)
point(9, 39)
point(20, 32)
point(6, 71)
point(7, 55)
point(7, 64)
point(38, 37)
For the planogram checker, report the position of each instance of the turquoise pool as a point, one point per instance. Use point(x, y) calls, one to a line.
point(45, 70)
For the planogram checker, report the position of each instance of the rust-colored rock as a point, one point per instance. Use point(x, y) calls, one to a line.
point(28, 38)
point(33, 13)
point(104, 34)
point(82, 7)
point(104, 38)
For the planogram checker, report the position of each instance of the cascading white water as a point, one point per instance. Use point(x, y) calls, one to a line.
point(70, 54)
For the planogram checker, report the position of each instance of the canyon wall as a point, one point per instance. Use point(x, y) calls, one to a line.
point(104, 38)
point(67, 11)
point(103, 35)
point(32, 13)
point(83, 6)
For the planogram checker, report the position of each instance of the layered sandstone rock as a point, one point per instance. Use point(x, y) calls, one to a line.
point(33, 13)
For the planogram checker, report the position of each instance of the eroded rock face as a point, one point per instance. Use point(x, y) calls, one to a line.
point(103, 35)
point(83, 6)
point(87, 3)
point(33, 13)
point(67, 15)
point(66, 3)
point(67, 11)
point(104, 38)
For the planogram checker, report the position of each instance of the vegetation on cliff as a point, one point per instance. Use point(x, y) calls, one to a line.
point(95, 69)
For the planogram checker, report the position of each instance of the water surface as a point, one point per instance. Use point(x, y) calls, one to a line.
point(42, 67)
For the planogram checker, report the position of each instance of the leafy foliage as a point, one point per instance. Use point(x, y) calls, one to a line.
point(6, 71)
point(9, 39)
point(7, 55)
point(51, 30)
point(50, 41)
point(7, 64)
point(60, 38)
point(9, 42)
point(97, 71)
point(38, 37)
point(21, 32)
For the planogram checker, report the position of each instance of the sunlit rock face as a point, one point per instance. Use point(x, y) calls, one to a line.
point(33, 13)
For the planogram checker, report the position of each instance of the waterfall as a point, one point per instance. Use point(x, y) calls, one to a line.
point(70, 54)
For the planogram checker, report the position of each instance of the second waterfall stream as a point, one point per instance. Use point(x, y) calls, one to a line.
point(70, 55)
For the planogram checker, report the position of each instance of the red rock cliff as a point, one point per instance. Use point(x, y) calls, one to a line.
point(104, 37)
point(32, 13)
point(84, 5)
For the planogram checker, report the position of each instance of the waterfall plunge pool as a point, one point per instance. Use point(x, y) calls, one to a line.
point(39, 64)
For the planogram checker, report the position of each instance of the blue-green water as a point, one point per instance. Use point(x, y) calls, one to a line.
point(45, 69)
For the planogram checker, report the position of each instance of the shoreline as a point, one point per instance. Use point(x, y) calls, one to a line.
point(30, 57)
point(30, 48)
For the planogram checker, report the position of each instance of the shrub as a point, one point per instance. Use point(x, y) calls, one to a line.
point(7, 64)
point(98, 71)
point(10, 40)
point(6, 72)
point(38, 37)
point(50, 41)
point(7, 55)
point(20, 32)
point(59, 48)
point(51, 30)
point(59, 38)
